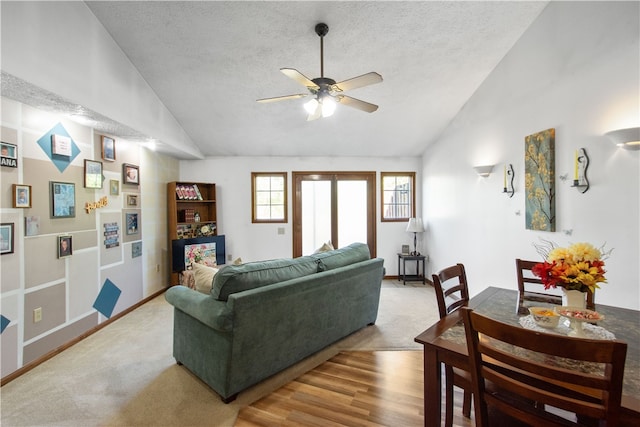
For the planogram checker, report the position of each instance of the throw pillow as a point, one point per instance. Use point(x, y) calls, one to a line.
point(325, 247)
point(237, 261)
point(203, 276)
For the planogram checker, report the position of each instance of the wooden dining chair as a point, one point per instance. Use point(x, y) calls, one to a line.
point(452, 292)
point(527, 281)
point(529, 376)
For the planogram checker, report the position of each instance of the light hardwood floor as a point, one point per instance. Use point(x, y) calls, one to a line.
point(379, 388)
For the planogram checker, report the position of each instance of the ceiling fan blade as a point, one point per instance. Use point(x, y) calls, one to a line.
point(299, 77)
point(282, 98)
point(356, 82)
point(356, 103)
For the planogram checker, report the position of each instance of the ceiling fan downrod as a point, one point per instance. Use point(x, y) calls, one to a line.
point(322, 29)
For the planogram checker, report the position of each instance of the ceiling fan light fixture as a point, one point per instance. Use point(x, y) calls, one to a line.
point(311, 106)
point(328, 106)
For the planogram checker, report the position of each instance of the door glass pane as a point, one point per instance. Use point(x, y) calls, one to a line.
point(316, 215)
point(352, 212)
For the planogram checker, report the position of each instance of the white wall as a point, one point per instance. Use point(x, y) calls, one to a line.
point(252, 242)
point(84, 65)
point(576, 69)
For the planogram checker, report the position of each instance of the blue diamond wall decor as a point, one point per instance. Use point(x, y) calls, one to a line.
point(44, 142)
point(4, 322)
point(107, 298)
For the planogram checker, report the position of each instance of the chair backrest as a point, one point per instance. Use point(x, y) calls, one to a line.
point(582, 376)
point(526, 277)
point(451, 287)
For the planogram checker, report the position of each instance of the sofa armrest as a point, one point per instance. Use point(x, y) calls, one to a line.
point(204, 308)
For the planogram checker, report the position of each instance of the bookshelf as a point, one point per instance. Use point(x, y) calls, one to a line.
point(192, 212)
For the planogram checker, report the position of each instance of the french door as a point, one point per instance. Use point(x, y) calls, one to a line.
point(333, 206)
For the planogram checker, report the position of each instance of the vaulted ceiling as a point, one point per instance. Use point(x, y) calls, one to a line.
point(209, 61)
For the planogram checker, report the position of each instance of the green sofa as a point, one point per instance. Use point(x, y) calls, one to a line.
point(262, 317)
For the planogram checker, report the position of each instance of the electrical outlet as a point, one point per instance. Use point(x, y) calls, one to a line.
point(280, 230)
point(229, 257)
point(37, 314)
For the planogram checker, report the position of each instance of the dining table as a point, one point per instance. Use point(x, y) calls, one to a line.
point(445, 342)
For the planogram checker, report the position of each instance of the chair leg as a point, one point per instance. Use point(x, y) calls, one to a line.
point(466, 404)
point(448, 417)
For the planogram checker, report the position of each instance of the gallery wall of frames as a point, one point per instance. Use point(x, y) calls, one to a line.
point(72, 224)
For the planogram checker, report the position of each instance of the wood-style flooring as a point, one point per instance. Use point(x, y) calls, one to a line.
point(354, 388)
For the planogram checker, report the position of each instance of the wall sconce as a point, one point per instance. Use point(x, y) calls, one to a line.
point(484, 171)
point(626, 138)
point(581, 164)
point(508, 183)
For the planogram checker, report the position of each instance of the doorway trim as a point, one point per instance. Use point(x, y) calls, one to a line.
point(334, 177)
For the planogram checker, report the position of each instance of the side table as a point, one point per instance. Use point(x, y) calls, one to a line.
point(408, 257)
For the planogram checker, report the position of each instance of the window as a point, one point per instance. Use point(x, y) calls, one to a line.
point(398, 195)
point(269, 197)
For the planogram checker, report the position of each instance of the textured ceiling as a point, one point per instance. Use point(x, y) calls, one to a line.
point(209, 61)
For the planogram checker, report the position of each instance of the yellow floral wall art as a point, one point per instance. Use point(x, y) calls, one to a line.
point(540, 194)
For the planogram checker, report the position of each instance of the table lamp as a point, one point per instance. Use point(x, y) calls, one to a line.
point(415, 227)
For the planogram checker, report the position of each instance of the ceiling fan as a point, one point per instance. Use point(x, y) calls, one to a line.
point(325, 91)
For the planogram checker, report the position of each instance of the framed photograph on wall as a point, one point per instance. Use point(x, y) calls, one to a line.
point(114, 187)
point(132, 223)
point(61, 145)
point(21, 196)
point(136, 249)
point(6, 238)
point(92, 174)
point(132, 200)
point(63, 199)
point(65, 246)
point(8, 155)
point(130, 174)
point(108, 149)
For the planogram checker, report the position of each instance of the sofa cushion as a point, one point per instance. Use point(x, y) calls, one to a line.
point(355, 252)
point(237, 278)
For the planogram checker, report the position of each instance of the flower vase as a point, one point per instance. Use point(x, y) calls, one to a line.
point(573, 298)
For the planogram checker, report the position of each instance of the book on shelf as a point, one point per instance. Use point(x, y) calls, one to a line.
point(188, 192)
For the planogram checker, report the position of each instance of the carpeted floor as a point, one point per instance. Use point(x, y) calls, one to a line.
point(125, 375)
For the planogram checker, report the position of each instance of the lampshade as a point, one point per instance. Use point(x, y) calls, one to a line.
point(626, 138)
point(311, 106)
point(484, 171)
point(322, 105)
point(415, 225)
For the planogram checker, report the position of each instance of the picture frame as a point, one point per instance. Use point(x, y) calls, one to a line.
point(540, 191)
point(405, 249)
point(92, 174)
point(6, 238)
point(65, 246)
point(130, 174)
point(136, 249)
point(108, 149)
point(31, 225)
point(61, 145)
point(8, 155)
point(63, 199)
point(21, 196)
point(132, 223)
point(114, 187)
point(132, 200)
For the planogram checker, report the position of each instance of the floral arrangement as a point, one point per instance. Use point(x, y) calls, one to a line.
point(578, 267)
